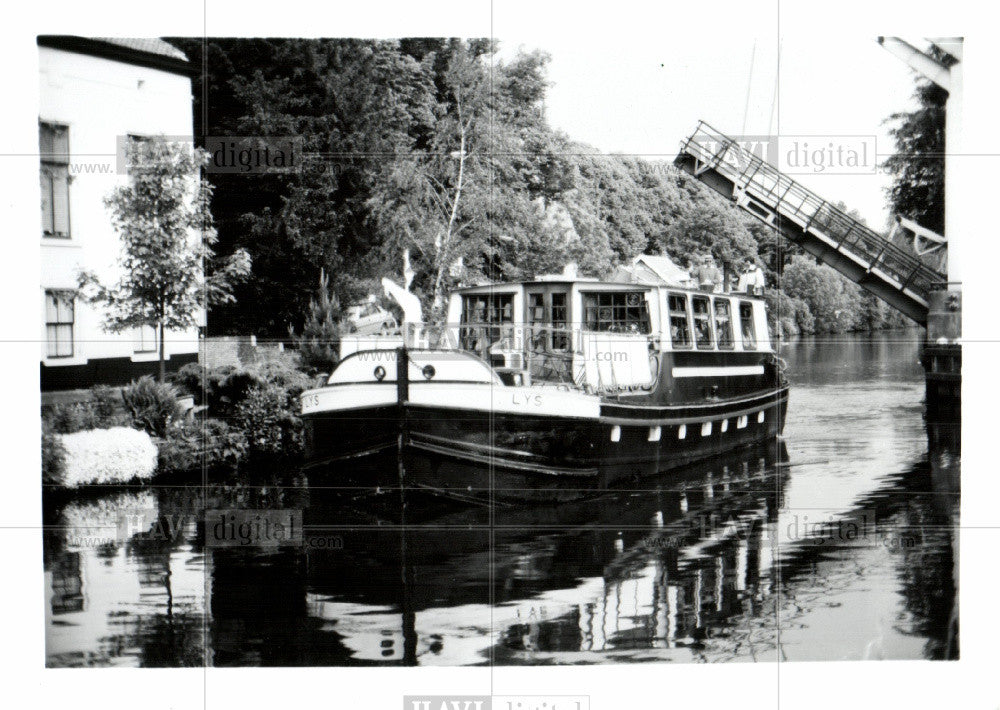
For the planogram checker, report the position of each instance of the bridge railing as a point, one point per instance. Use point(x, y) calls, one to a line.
point(767, 185)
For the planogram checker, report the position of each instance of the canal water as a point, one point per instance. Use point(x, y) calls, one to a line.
point(838, 541)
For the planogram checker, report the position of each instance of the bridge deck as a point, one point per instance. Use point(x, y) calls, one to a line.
point(864, 256)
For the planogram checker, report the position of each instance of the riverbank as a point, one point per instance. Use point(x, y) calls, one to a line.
point(217, 419)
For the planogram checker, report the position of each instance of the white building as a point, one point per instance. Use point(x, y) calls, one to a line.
point(93, 93)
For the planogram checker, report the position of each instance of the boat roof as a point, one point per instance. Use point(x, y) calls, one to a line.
point(592, 281)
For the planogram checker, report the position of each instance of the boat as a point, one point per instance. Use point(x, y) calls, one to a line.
point(552, 387)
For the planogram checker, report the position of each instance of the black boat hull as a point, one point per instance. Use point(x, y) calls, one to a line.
point(523, 456)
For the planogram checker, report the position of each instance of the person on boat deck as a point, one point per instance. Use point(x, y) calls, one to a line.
point(752, 280)
point(708, 274)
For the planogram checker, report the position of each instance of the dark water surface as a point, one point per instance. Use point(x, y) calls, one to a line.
point(837, 542)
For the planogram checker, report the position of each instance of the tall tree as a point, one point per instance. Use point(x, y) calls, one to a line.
point(168, 270)
point(917, 165)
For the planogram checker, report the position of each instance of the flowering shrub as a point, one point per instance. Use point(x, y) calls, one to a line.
point(152, 404)
point(117, 455)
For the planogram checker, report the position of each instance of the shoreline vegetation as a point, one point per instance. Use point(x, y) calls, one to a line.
point(243, 417)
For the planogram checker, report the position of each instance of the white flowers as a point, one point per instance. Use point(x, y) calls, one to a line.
point(116, 455)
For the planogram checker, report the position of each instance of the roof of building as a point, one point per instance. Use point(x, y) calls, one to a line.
point(652, 270)
point(663, 267)
point(142, 51)
point(149, 45)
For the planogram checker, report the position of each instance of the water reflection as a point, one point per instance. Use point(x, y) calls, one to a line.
point(743, 558)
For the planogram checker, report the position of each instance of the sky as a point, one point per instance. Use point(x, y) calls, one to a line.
point(636, 93)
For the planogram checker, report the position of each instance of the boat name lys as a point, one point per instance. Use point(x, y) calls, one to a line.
point(526, 400)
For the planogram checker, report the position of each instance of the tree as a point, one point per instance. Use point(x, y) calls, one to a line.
point(832, 300)
point(321, 332)
point(168, 270)
point(453, 200)
point(702, 222)
point(351, 102)
point(917, 165)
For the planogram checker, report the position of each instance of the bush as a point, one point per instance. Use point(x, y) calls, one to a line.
point(189, 379)
point(103, 410)
point(107, 403)
point(53, 456)
point(225, 387)
point(212, 440)
point(118, 455)
point(152, 405)
point(285, 375)
point(270, 421)
point(71, 417)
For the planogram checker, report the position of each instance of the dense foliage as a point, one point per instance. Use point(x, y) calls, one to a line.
point(437, 149)
point(153, 405)
point(917, 164)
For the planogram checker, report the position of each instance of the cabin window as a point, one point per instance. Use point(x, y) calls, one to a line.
point(59, 318)
point(702, 323)
point(560, 315)
point(616, 312)
point(545, 319)
point(680, 333)
point(746, 326)
point(483, 320)
point(536, 308)
point(723, 324)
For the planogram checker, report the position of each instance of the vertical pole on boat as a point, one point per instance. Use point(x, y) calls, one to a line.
point(402, 375)
point(402, 397)
point(406, 567)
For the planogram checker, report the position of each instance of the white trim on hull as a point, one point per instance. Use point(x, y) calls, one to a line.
point(732, 371)
point(485, 398)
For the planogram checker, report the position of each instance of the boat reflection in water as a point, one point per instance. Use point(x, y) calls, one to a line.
point(693, 567)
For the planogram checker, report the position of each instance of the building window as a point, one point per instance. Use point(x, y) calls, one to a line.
point(619, 312)
point(680, 333)
point(53, 147)
point(702, 323)
point(145, 339)
point(58, 324)
point(746, 326)
point(723, 324)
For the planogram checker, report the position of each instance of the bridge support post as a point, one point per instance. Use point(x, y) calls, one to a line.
point(942, 356)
